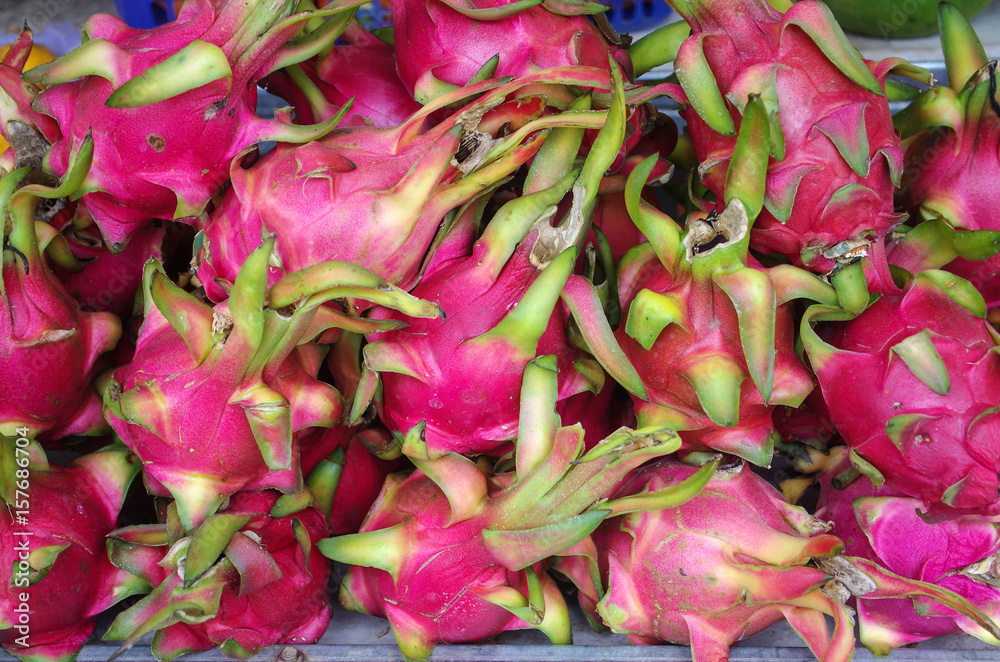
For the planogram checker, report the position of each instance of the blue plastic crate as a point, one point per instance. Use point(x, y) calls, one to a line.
point(146, 14)
point(636, 15)
point(625, 15)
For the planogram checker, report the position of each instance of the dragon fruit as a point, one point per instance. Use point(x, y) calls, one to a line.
point(102, 280)
point(956, 554)
point(727, 564)
point(835, 158)
point(454, 552)
point(358, 67)
point(502, 311)
point(242, 581)
point(55, 577)
point(236, 371)
point(372, 196)
point(912, 384)
point(952, 165)
point(701, 316)
point(179, 101)
point(43, 331)
point(342, 476)
point(442, 45)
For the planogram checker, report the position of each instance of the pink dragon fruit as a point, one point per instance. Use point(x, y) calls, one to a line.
point(701, 316)
point(500, 300)
point(883, 525)
point(358, 67)
point(913, 386)
point(835, 158)
point(238, 370)
point(451, 553)
point(372, 196)
point(102, 280)
point(727, 564)
point(342, 476)
point(442, 45)
point(42, 330)
point(55, 577)
point(952, 165)
point(179, 101)
point(242, 581)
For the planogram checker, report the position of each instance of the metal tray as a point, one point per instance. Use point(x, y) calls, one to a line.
point(354, 637)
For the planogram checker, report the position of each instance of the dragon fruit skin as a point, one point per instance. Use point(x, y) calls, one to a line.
point(835, 156)
point(920, 401)
point(361, 193)
point(184, 392)
point(984, 276)
point(108, 281)
point(289, 192)
point(43, 333)
point(952, 163)
point(71, 509)
point(953, 135)
point(179, 100)
point(447, 567)
point(243, 372)
point(874, 522)
point(269, 587)
point(439, 47)
point(362, 68)
point(459, 378)
point(725, 565)
point(709, 329)
point(473, 417)
point(728, 563)
point(361, 473)
point(454, 552)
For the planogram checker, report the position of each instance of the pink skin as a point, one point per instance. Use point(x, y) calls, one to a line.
point(445, 564)
point(882, 524)
point(468, 392)
point(600, 414)
point(167, 158)
point(362, 69)
point(68, 506)
point(109, 281)
point(690, 574)
point(197, 402)
point(433, 41)
point(363, 472)
point(810, 90)
point(984, 275)
point(325, 201)
point(953, 172)
point(43, 333)
point(954, 436)
point(712, 328)
point(611, 216)
point(372, 196)
point(292, 609)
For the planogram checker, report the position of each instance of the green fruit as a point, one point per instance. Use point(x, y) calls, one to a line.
point(893, 19)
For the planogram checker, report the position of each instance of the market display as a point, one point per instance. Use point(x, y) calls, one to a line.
point(472, 318)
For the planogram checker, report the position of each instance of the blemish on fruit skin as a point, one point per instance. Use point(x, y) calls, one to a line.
point(156, 142)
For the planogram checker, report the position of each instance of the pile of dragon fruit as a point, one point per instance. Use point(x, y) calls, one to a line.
point(474, 319)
